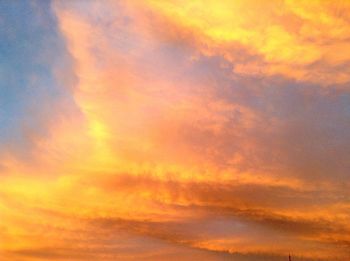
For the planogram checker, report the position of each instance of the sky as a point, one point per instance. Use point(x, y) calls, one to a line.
point(175, 130)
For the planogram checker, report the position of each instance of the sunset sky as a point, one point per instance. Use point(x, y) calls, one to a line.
point(175, 130)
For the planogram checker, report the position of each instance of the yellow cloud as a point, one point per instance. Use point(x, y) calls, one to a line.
point(304, 40)
point(158, 154)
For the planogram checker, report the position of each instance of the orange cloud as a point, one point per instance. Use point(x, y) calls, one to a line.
point(184, 143)
point(303, 41)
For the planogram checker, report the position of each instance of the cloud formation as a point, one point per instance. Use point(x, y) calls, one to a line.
point(294, 40)
point(187, 130)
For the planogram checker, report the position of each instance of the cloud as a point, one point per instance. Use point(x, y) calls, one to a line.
point(187, 131)
point(295, 40)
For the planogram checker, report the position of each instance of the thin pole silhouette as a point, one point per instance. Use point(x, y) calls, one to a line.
point(290, 258)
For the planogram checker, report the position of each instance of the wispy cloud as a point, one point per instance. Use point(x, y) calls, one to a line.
point(183, 130)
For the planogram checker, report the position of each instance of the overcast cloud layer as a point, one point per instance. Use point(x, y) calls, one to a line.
point(175, 130)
